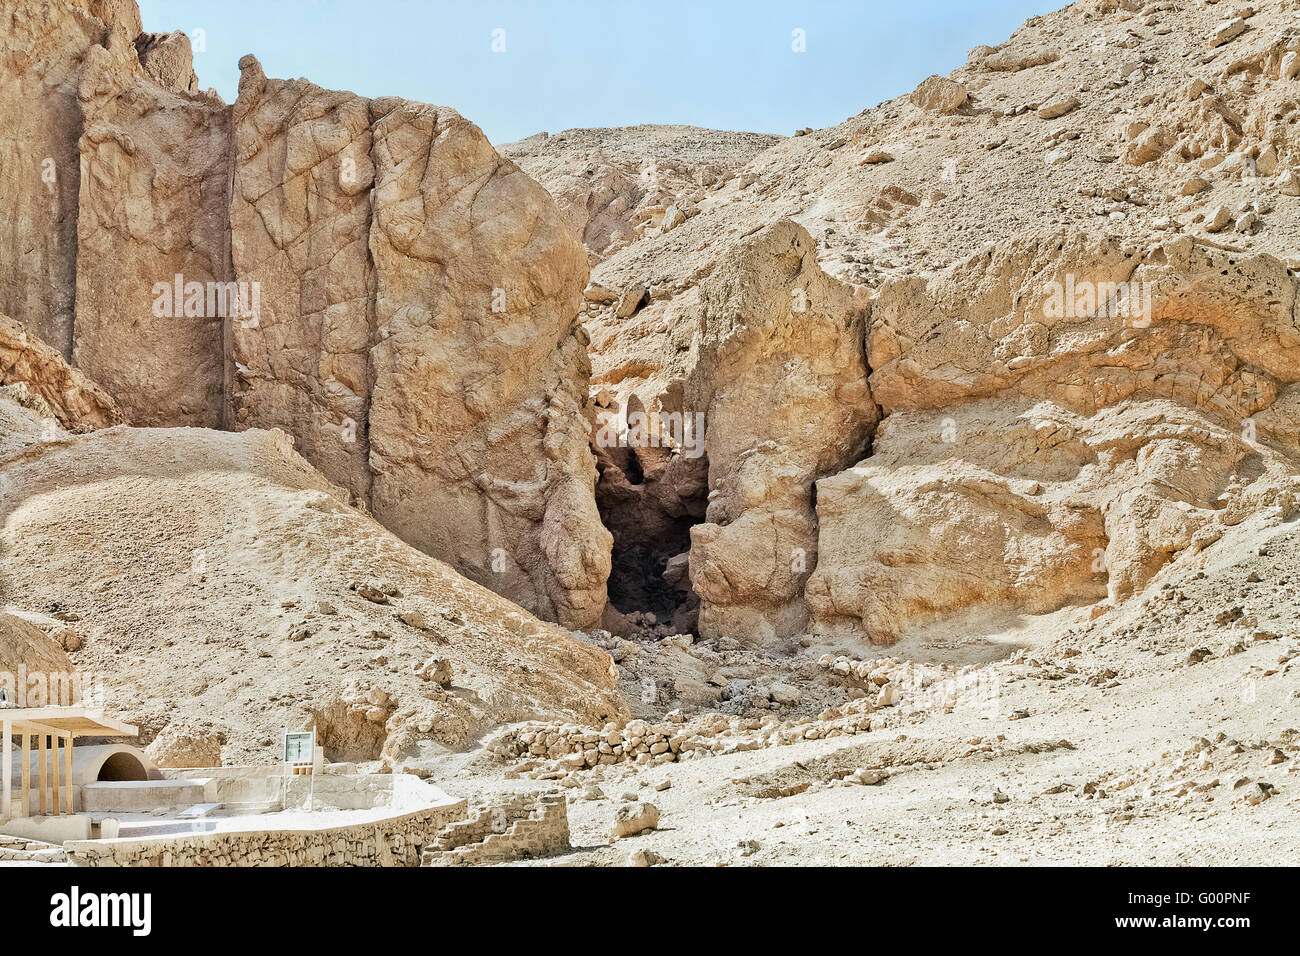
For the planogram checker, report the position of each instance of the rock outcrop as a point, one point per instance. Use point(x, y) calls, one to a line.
point(37, 371)
point(762, 390)
point(154, 282)
point(369, 276)
point(1059, 444)
point(41, 48)
point(299, 230)
point(417, 333)
point(782, 380)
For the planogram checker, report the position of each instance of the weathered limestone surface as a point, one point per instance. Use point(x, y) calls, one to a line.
point(299, 227)
point(782, 378)
point(767, 355)
point(41, 48)
point(155, 170)
point(478, 438)
point(30, 364)
point(1030, 458)
point(417, 333)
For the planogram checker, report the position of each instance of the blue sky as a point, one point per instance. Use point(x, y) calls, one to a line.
point(724, 64)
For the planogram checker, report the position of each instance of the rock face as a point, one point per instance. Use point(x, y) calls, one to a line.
point(41, 47)
point(480, 367)
point(1052, 449)
point(299, 227)
point(35, 368)
point(369, 276)
point(154, 280)
point(782, 378)
point(762, 389)
point(417, 333)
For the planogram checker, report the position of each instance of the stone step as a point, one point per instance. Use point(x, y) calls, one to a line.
point(46, 854)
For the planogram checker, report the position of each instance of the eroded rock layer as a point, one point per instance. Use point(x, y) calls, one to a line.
point(369, 276)
point(154, 282)
point(1046, 449)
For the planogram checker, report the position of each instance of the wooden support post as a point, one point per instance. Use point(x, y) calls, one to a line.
point(67, 773)
point(41, 743)
point(25, 753)
point(54, 770)
point(7, 805)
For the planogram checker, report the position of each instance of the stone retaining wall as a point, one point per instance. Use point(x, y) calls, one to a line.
point(527, 826)
point(392, 841)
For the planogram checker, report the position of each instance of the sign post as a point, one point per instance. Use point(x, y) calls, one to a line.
point(300, 759)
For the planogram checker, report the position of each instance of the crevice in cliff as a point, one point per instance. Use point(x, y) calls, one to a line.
point(652, 490)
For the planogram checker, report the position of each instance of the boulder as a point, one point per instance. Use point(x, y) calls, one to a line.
point(938, 94)
point(633, 818)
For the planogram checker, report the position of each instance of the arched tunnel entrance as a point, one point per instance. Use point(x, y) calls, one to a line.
point(122, 766)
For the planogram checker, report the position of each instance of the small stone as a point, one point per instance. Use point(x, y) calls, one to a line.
point(1227, 30)
point(1058, 106)
point(435, 670)
point(633, 818)
point(413, 618)
point(1219, 219)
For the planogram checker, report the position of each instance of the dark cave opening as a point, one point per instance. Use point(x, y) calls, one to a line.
point(649, 499)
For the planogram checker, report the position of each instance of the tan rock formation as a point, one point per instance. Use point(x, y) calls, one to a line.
point(765, 362)
point(29, 364)
point(424, 350)
point(41, 47)
point(299, 228)
point(478, 436)
point(1033, 455)
point(782, 378)
point(179, 745)
point(154, 282)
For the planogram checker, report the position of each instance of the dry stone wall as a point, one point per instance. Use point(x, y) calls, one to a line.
point(394, 841)
point(528, 825)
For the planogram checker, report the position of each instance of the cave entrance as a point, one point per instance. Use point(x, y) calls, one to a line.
point(649, 499)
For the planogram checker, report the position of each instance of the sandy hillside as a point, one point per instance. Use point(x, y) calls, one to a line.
point(217, 582)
